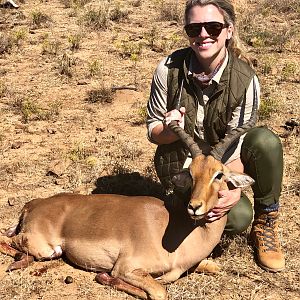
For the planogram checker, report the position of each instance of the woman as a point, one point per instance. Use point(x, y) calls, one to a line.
point(210, 90)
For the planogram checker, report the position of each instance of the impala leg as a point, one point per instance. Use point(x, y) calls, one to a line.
point(208, 266)
point(10, 232)
point(141, 279)
point(6, 248)
point(170, 276)
point(120, 285)
point(22, 260)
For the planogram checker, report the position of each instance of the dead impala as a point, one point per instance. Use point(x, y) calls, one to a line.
point(141, 241)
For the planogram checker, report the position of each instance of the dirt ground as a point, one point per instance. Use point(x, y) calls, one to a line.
point(73, 93)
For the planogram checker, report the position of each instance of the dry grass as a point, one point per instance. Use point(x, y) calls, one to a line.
point(63, 132)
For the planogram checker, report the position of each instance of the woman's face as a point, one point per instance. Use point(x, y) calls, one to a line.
point(209, 49)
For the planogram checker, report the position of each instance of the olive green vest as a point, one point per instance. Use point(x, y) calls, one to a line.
point(229, 94)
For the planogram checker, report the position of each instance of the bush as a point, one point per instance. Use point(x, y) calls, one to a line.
point(102, 95)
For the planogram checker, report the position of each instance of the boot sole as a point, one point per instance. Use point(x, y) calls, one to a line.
point(269, 269)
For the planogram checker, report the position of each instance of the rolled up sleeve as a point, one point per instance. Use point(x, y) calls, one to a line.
point(157, 104)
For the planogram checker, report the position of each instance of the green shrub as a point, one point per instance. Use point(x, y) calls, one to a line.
point(19, 35)
point(268, 106)
point(289, 71)
point(95, 68)
point(51, 47)
point(74, 41)
point(129, 49)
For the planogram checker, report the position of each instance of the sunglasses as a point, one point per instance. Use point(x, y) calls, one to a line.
point(212, 28)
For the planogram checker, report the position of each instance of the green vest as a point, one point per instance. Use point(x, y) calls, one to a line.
point(230, 93)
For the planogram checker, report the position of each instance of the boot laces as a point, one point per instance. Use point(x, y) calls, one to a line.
point(267, 235)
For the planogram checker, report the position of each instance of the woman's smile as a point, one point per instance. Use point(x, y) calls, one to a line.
point(203, 45)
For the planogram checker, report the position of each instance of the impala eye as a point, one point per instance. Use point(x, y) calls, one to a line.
point(219, 175)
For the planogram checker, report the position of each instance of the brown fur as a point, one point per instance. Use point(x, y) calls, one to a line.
point(130, 237)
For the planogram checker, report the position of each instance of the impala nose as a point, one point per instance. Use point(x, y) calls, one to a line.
point(195, 211)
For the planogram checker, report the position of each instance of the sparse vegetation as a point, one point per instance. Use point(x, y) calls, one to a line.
point(152, 36)
point(101, 95)
point(3, 89)
point(171, 42)
point(282, 30)
point(289, 71)
point(100, 135)
point(65, 64)
point(99, 18)
point(128, 48)
point(30, 110)
point(94, 68)
point(268, 106)
point(78, 152)
point(141, 116)
point(118, 13)
point(75, 3)
point(123, 158)
point(51, 47)
point(74, 41)
point(96, 19)
point(136, 3)
point(268, 65)
point(6, 43)
point(288, 6)
point(40, 19)
point(19, 36)
point(170, 11)
point(10, 40)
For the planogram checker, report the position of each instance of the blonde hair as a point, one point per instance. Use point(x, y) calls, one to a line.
point(227, 10)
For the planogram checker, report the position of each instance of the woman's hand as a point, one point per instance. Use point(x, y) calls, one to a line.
point(227, 200)
point(162, 134)
point(175, 115)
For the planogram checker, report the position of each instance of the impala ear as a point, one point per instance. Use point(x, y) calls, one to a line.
point(240, 180)
point(183, 180)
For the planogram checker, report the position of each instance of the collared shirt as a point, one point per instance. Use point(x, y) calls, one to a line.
point(157, 106)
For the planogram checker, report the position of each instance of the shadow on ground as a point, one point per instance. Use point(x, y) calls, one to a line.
point(129, 184)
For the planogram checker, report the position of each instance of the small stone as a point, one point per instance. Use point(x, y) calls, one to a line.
point(11, 201)
point(173, 23)
point(100, 129)
point(21, 126)
point(51, 130)
point(68, 280)
point(82, 82)
point(16, 145)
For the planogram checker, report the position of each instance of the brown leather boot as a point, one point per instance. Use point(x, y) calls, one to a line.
point(264, 235)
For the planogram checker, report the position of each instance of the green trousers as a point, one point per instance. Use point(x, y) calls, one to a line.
point(262, 157)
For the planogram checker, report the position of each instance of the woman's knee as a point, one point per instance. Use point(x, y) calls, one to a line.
point(262, 139)
point(240, 217)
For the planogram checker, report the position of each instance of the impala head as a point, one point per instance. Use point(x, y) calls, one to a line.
point(208, 176)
